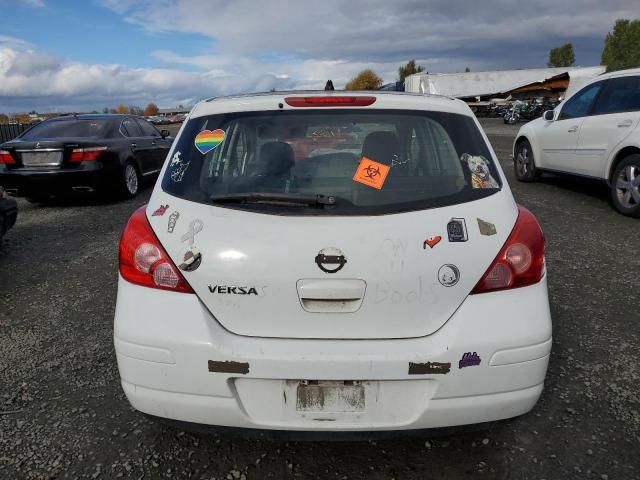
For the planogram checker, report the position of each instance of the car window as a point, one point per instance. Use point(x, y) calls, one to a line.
point(147, 129)
point(130, 128)
point(580, 104)
point(75, 128)
point(620, 95)
point(372, 162)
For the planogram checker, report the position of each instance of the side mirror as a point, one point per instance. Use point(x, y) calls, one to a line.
point(549, 115)
point(165, 133)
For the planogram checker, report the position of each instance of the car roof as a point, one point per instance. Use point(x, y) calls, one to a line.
point(91, 116)
point(384, 100)
point(620, 73)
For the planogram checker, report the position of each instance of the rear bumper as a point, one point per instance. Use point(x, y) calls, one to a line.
point(164, 342)
point(21, 182)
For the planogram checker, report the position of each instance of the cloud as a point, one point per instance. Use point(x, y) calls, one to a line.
point(33, 3)
point(377, 30)
point(254, 46)
point(32, 79)
point(6, 40)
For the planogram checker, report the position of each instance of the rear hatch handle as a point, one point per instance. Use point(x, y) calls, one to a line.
point(331, 295)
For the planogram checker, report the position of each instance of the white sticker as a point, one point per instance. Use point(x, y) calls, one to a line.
point(178, 167)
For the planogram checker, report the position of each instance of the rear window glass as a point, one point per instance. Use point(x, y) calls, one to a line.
point(76, 128)
point(370, 162)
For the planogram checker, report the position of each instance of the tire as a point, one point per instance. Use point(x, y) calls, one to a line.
point(524, 165)
point(129, 180)
point(625, 186)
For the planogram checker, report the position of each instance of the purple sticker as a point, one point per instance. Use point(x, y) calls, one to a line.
point(469, 360)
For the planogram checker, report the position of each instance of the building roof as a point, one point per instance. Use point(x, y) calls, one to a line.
point(480, 84)
point(162, 111)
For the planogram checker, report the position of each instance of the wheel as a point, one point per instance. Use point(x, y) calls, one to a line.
point(129, 180)
point(625, 186)
point(523, 163)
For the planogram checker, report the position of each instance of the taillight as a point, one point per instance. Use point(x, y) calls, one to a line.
point(521, 259)
point(330, 101)
point(6, 157)
point(87, 154)
point(143, 261)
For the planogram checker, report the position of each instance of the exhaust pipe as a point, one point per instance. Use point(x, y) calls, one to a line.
point(82, 189)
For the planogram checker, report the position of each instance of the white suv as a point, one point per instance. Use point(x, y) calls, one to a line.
point(323, 261)
point(593, 133)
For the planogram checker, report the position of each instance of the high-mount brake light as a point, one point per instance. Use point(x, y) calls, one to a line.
point(143, 261)
point(87, 154)
point(521, 259)
point(330, 101)
point(6, 157)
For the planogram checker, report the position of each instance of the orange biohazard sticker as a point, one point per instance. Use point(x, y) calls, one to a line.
point(371, 173)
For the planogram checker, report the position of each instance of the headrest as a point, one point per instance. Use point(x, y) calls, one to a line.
point(277, 158)
point(381, 147)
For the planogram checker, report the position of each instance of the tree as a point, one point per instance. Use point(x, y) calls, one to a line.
point(467, 70)
point(122, 108)
point(3, 118)
point(365, 80)
point(562, 56)
point(151, 110)
point(135, 110)
point(622, 46)
point(105, 110)
point(23, 118)
point(409, 69)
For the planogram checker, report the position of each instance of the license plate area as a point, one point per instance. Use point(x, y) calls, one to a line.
point(41, 159)
point(330, 396)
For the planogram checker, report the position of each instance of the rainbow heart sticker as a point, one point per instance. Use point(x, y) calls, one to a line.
point(207, 140)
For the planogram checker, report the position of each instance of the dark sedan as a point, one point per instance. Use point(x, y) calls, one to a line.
point(8, 212)
point(111, 154)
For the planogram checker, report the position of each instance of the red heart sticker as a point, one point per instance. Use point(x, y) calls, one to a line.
point(431, 241)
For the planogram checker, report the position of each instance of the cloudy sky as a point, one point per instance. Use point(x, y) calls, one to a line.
point(87, 54)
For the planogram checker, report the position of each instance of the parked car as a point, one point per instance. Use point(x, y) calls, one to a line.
point(388, 282)
point(8, 212)
point(158, 120)
point(107, 153)
point(179, 118)
point(593, 133)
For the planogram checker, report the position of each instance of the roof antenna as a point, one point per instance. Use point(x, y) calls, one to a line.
point(329, 85)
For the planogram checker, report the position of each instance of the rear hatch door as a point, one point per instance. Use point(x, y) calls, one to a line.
point(386, 276)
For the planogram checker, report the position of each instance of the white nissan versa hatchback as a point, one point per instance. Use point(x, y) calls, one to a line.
point(332, 261)
point(594, 133)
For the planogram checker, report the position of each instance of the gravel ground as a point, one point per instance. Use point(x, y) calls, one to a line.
point(63, 413)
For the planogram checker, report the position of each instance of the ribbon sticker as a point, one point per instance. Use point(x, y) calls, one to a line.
point(195, 227)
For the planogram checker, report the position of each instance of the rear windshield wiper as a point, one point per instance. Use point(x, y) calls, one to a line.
point(276, 199)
